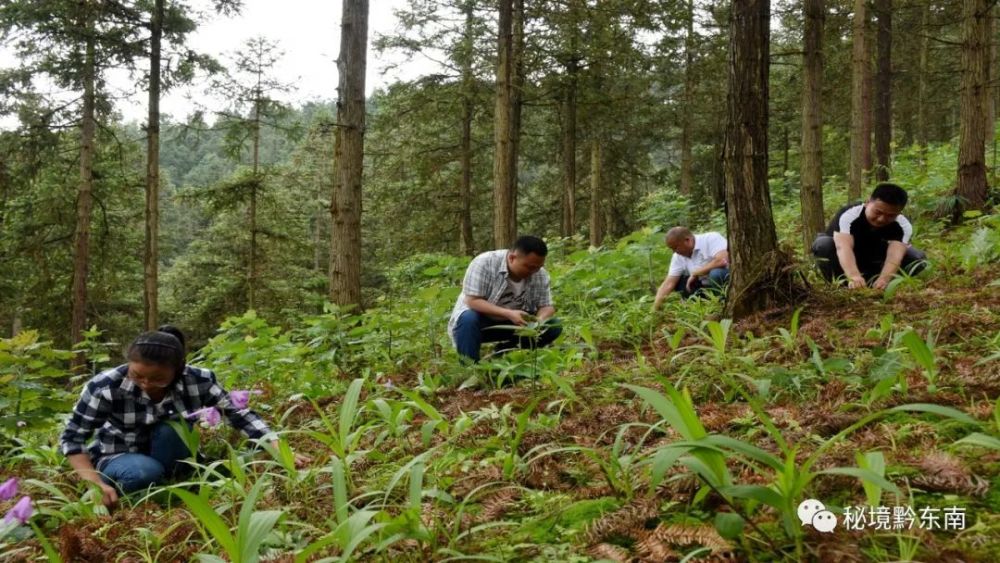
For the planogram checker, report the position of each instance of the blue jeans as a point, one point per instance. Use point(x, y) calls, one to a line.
point(714, 281)
point(133, 471)
point(474, 328)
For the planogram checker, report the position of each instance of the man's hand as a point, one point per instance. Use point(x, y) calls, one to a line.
point(848, 262)
point(544, 314)
point(516, 316)
point(658, 305)
point(691, 281)
point(302, 460)
point(893, 259)
point(664, 291)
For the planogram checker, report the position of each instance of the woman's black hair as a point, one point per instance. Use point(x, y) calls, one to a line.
point(163, 347)
point(175, 332)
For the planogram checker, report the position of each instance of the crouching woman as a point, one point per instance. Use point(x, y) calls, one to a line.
point(125, 410)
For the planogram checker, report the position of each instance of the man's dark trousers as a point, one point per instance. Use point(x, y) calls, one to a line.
point(474, 328)
point(869, 260)
point(715, 281)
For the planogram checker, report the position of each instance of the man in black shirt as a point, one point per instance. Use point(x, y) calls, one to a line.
point(869, 241)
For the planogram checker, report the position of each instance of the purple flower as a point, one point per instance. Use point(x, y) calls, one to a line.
point(21, 511)
point(241, 398)
point(9, 489)
point(209, 416)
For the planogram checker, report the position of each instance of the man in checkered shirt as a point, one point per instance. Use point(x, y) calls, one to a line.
point(504, 288)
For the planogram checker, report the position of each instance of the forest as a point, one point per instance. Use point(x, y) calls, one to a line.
point(312, 252)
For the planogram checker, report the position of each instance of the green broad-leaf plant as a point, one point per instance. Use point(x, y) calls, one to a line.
point(788, 480)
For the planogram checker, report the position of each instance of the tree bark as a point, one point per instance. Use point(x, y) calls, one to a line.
point(152, 250)
point(85, 193)
point(596, 194)
point(975, 99)
point(687, 160)
point(504, 184)
point(517, 105)
point(922, 135)
point(345, 202)
point(465, 183)
point(811, 193)
point(883, 90)
point(991, 104)
point(866, 105)
point(859, 60)
point(756, 263)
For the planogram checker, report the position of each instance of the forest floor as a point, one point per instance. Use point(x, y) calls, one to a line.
point(562, 469)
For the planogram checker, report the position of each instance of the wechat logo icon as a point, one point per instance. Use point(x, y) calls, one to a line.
point(814, 513)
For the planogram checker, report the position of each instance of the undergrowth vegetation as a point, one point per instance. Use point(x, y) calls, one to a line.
point(679, 435)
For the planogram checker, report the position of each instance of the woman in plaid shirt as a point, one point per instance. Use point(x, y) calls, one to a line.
point(126, 409)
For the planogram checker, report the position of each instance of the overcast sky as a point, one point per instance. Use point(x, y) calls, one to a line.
point(308, 31)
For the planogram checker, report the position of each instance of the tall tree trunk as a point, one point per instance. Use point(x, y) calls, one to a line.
point(152, 251)
point(504, 186)
point(867, 125)
point(922, 135)
point(569, 148)
point(596, 193)
point(85, 194)
point(859, 60)
point(345, 203)
point(811, 193)
point(687, 160)
point(465, 183)
point(991, 106)
point(517, 106)
point(883, 90)
point(753, 242)
point(975, 98)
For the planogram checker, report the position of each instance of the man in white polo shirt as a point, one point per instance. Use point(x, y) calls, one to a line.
point(700, 262)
